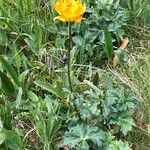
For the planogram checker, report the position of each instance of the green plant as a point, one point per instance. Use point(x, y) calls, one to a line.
point(8, 137)
point(107, 108)
point(116, 106)
point(39, 107)
point(112, 144)
point(136, 76)
point(138, 9)
point(90, 38)
point(46, 130)
point(80, 136)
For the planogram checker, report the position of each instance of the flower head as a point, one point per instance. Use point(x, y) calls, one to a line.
point(69, 10)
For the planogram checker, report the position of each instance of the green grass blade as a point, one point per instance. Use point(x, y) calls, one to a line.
point(49, 88)
point(108, 44)
point(10, 70)
point(6, 85)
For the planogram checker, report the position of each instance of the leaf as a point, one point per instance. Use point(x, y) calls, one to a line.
point(10, 70)
point(107, 81)
point(1, 124)
point(53, 124)
point(7, 86)
point(33, 96)
point(6, 116)
point(23, 75)
point(79, 135)
point(47, 129)
point(16, 57)
point(79, 41)
point(2, 136)
point(91, 85)
point(31, 44)
point(58, 88)
point(19, 96)
point(49, 88)
point(41, 129)
point(108, 44)
point(48, 100)
point(84, 145)
point(125, 122)
point(35, 41)
point(88, 105)
point(13, 139)
point(117, 145)
point(38, 37)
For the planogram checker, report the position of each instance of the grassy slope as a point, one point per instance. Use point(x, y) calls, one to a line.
point(136, 75)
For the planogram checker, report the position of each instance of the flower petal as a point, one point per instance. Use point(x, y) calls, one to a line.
point(60, 18)
point(58, 7)
point(69, 10)
point(78, 19)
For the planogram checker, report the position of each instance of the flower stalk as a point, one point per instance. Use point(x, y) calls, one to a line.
point(69, 57)
point(69, 66)
point(70, 11)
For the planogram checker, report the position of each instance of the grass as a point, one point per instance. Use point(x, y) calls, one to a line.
point(33, 45)
point(136, 75)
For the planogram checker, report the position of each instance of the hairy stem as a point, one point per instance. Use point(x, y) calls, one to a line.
point(69, 49)
point(69, 68)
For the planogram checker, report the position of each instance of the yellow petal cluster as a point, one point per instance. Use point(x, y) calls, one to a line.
point(69, 10)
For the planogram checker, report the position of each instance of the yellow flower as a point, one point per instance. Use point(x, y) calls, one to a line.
point(69, 10)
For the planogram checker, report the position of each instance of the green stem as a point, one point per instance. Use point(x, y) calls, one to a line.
point(69, 49)
point(69, 69)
